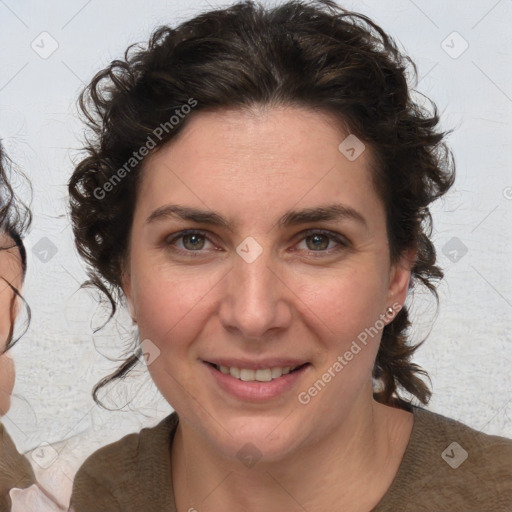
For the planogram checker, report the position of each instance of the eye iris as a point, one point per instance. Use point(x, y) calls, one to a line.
point(319, 241)
point(195, 241)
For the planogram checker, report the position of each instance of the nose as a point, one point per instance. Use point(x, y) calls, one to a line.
point(256, 300)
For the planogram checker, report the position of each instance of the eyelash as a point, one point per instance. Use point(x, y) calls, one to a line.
point(342, 241)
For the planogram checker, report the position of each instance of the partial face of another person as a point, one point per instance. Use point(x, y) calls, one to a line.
point(257, 245)
point(11, 272)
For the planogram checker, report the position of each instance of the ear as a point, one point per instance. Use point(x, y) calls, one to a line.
point(126, 283)
point(400, 276)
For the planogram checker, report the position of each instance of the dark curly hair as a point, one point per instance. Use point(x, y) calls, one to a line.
point(15, 219)
point(315, 55)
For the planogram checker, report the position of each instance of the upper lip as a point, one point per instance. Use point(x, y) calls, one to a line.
point(256, 365)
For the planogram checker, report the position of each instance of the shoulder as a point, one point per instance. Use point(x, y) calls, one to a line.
point(466, 443)
point(15, 469)
point(451, 466)
point(125, 469)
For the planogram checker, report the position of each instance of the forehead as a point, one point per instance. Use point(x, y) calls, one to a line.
point(257, 160)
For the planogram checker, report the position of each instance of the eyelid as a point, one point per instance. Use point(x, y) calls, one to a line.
point(319, 231)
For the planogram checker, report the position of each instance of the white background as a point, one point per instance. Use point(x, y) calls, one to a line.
point(469, 351)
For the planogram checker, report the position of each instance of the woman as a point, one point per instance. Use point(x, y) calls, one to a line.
point(257, 189)
point(19, 490)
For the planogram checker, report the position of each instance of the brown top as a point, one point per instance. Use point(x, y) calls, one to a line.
point(447, 466)
point(15, 470)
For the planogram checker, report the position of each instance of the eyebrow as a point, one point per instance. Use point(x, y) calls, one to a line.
point(332, 212)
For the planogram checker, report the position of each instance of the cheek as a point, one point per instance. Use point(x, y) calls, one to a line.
point(345, 302)
point(173, 313)
point(6, 363)
point(6, 382)
point(346, 314)
point(5, 315)
point(172, 306)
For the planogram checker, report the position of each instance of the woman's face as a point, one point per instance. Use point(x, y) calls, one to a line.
point(10, 272)
point(288, 264)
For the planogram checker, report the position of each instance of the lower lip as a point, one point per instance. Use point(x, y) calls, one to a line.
point(256, 391)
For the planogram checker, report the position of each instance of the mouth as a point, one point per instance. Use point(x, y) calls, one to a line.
point(257, 375)
point(248, 380)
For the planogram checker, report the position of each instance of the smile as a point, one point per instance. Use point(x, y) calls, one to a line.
point(260, 375)
point(255, 381)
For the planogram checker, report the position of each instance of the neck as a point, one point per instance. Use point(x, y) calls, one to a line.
point(343, 470)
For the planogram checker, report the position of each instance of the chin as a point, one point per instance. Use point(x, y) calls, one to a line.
point(257, 439)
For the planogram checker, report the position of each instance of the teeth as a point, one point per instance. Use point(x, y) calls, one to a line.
point(261, 375)
point(276, 372)
point(264, 375)
point(247, 375)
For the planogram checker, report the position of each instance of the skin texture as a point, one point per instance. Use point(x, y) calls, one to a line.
point(294, 300)
point(10, 272)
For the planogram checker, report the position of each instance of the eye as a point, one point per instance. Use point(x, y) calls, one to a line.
point(188, 241)
point(196, 243)
point(322, 242)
